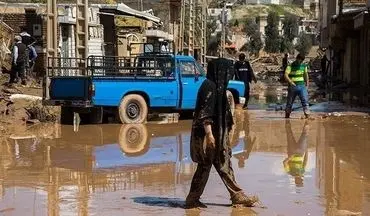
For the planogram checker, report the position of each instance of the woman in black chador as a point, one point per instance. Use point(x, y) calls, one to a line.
point(209, 143)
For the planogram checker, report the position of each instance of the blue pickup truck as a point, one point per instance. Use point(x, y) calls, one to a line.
point(134, 86)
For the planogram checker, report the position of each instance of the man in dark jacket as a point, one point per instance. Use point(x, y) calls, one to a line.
point(244, 72)
point(18, 61)
point(210, 143)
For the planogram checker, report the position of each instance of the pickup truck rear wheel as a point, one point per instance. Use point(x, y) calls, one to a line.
point(133, 139)
point(66, 115)
point(133, 109)
point(230, 98)
point(96, 115)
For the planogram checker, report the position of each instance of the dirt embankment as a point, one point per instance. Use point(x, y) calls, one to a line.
point(21, 106)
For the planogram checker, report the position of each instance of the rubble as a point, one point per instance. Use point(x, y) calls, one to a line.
point(21, 106)
point(36, 111)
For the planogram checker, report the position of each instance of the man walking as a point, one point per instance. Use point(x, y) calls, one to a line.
point(31, 59)
point(244, 73)
point(296, 75)
point(18, 61)
point(210, 143)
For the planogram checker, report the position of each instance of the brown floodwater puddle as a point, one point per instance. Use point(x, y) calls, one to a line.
point(296, 167)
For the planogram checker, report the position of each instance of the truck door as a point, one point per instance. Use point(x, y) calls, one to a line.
point(191, 80)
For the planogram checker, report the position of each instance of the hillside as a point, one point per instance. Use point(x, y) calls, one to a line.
point(244, 12)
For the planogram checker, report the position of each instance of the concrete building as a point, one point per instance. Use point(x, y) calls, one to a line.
point(67, 29)
point(112, 28)
point(345, 33)
point(124, 26)
point(262, 23)
point(28, 17)
point(262, 2)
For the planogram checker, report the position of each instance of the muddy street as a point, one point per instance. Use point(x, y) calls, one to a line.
point(296, 167)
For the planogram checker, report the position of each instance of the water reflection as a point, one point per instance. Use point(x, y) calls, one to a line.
point(102, 169)
point(296, 161)
point(343, 158)
point(242, 129)
point(69, 164)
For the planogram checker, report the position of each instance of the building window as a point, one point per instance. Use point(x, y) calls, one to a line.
point(36, 30)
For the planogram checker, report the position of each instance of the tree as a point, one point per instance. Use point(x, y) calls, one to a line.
point(236, 23)
point(290, 27)
point(290, 32)
point(272, 42)
point(286, 45)
point(304, 44)
point(211, 27)
point(251, 27)
point(255, 43)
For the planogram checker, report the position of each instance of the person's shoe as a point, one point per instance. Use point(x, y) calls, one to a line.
point(244, 200)
point(189, 204)
point(307, 114)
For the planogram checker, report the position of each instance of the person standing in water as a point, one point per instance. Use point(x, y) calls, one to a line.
point(244, 72)
point(209, 144)
point(296, 74)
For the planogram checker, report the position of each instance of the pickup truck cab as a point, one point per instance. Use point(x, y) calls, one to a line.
point(134, 86)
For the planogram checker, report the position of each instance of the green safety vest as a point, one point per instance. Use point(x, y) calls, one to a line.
point(296, 73)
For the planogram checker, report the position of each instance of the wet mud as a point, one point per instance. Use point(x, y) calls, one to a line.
point(296, 167)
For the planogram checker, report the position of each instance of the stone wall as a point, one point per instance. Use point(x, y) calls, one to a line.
point(30, 20)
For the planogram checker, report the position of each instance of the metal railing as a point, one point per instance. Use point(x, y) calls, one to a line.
point(149, 66)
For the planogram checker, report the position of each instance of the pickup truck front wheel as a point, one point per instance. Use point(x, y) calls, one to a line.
point(230, 98)
point(133, 109)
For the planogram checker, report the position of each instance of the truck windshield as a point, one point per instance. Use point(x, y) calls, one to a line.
point(200, 69)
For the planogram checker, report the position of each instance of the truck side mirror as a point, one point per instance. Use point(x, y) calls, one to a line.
point(196, 76)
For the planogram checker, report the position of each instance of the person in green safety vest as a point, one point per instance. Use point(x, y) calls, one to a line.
point(296, 74)
point(295, 163)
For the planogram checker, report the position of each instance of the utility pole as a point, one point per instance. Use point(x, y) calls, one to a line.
point(223, 33)
point(203, 31)
point(82, 33)
point(191, 27)
point(181, 27)
point(51, 41)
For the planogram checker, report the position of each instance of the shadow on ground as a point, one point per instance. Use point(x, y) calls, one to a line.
point(168, 202)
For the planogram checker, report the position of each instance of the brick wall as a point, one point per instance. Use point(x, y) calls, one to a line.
point(27, 20)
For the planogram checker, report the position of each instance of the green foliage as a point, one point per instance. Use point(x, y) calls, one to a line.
point(286, 46)
point(255, 44)
point(251, 27)
point(236, 23)
point(290, 27)
point(211, 27)
point(304, 44)
point(272, 42)
point(213, 44)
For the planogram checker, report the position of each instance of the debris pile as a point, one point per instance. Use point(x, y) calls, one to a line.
point(20, 106)
point(268, 68)
point(36, 111)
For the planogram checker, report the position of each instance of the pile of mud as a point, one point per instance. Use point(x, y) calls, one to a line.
point(21, 106)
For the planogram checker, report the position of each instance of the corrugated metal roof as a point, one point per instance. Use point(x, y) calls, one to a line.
point(126, 9)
